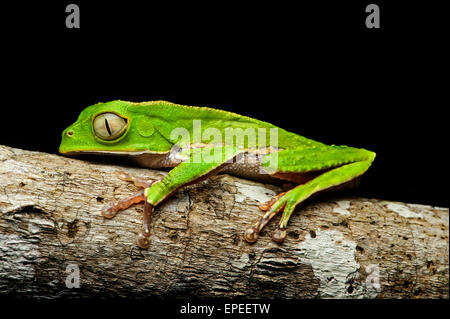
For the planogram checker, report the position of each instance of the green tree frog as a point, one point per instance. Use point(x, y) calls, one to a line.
point(197, 142)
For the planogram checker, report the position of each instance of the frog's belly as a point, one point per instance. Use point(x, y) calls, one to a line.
point(247, 165)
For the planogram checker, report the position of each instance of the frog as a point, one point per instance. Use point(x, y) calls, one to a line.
point(194, 143)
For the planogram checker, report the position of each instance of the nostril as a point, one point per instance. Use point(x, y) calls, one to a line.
point(70, 133)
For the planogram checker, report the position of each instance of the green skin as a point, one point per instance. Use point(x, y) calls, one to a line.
point(145, 128)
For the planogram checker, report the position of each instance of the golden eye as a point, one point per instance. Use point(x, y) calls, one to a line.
point(109, 126)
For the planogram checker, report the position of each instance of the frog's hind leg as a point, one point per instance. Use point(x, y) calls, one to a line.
point(331, 178)
point(111, 209)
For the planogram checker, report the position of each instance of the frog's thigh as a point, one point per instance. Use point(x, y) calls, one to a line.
point(313, 160)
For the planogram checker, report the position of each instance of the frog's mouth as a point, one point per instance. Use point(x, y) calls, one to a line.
point(142, 158)
point(119, 153)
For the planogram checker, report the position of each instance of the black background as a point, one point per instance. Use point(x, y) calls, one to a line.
point(313, 68)
point(309, 67)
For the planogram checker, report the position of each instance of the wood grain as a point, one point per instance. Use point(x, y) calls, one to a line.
point(336, 247)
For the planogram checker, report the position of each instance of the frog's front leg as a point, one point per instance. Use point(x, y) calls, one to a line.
point(195, 169)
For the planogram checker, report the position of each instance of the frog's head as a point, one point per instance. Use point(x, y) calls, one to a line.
point(112, 128)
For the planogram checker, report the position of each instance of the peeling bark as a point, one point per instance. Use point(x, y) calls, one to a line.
point(336, 247)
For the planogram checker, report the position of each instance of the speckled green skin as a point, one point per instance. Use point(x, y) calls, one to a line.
point(149, 129)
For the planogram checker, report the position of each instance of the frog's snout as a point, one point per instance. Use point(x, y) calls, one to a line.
point(66, 139)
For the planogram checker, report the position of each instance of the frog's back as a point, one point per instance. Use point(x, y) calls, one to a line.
point(167, 114)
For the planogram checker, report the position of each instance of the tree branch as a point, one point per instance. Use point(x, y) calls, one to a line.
point(336, 247)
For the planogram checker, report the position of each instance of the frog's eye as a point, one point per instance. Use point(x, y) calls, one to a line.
point(109, 126)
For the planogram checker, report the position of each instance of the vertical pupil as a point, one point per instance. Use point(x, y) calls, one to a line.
point(107, 127)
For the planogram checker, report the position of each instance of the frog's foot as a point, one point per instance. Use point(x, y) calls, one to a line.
point(272, 208)
point(285, 202)
point(252, 233)
point(111, 209)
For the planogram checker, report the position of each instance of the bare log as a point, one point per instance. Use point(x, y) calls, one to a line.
point(50, 223)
